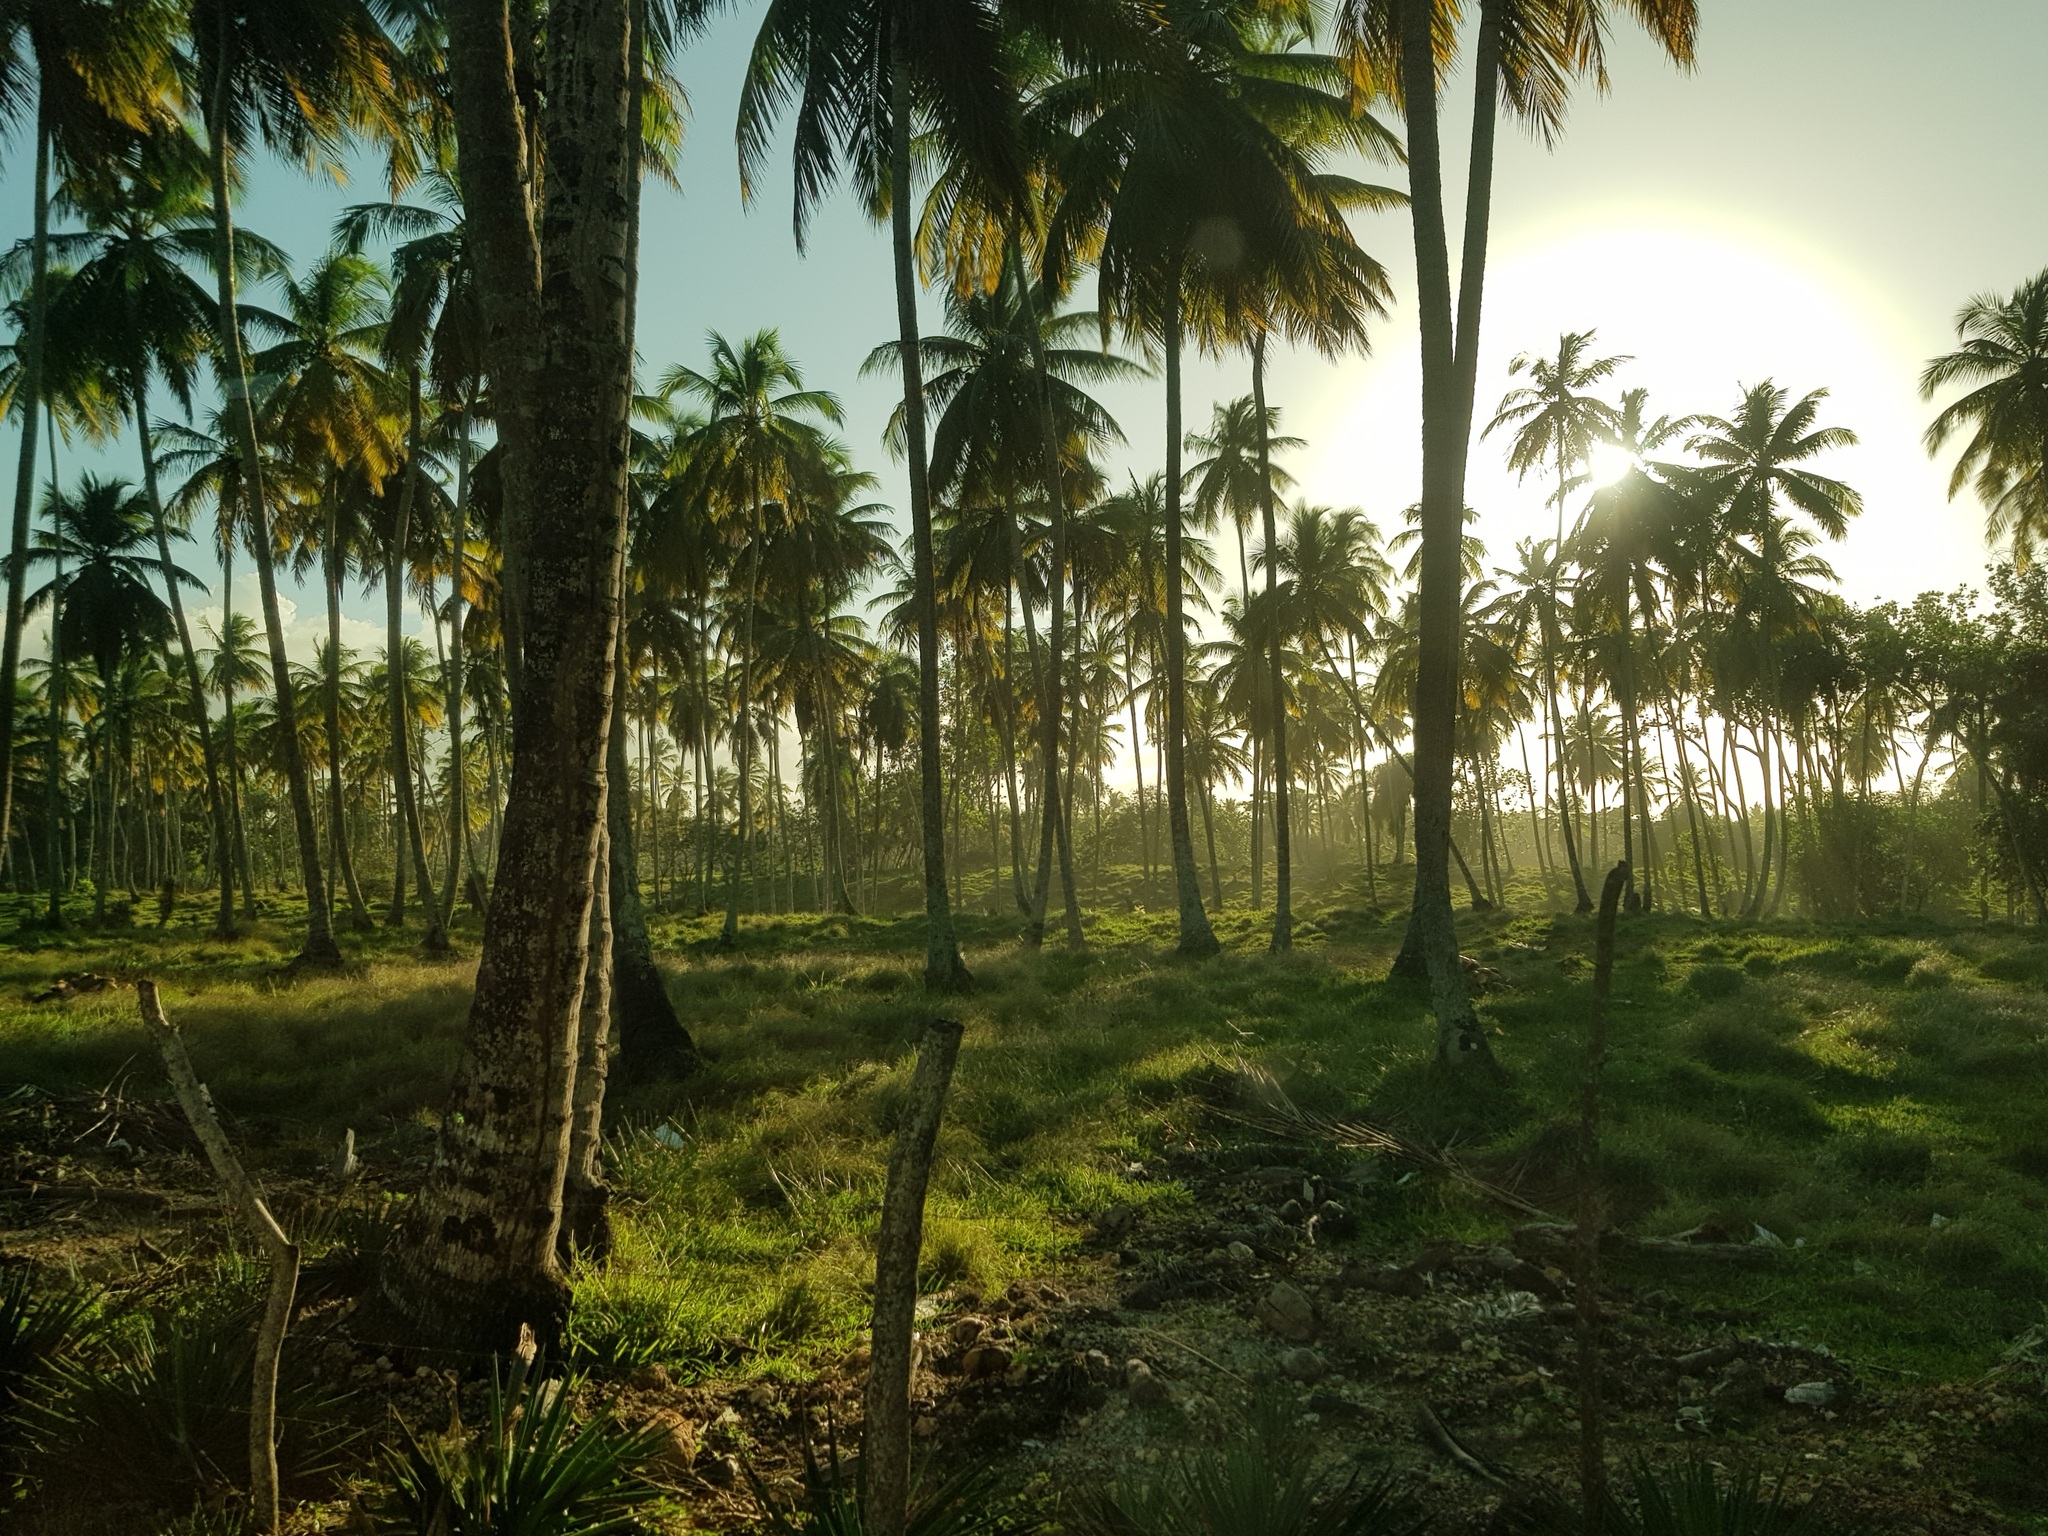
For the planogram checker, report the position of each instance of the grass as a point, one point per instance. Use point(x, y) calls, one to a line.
point(1866, 1095)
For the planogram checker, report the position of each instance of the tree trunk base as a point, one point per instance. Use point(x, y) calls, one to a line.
point(948, 974)
point(1198, 946)
point(586, 1223)
point(653, 1044)
point(323, 956)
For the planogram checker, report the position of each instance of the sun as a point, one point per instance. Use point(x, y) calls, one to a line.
point(1610, 461)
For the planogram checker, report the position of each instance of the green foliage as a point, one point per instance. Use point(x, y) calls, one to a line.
point(40, 1328)
point(1693, 1498)
point(1263, 1483)
point(1714, 981)
point(529, 1470)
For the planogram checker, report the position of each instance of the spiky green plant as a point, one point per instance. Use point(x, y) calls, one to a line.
point(529, 1470)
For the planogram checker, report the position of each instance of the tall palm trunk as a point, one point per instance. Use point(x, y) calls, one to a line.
point(943, 968)
point(479, 1256)
point(31, 393)
point(743, 831)
point(319, 947)
point(1276, 682)
point(223, 843)
point(337, 816)
point(230, 758)
point(53, 771)
point(409, 830)
point(1054, 830)
point(459, 847)
point(1446, 425)
point(1196, 936)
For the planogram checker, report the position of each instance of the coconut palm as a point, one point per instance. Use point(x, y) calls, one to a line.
point(328, 403)
point(759, 435)
point(294, 74)
point(1527, 54)
point(100, 75)
point(2004, 361)
point(234, 663)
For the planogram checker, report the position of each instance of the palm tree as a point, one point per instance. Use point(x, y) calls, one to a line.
point(327, 403)
point(759, 436)
point(865, 70)
point(1528, 51)
point(297, 74)
point(1556, 417)
point(135, 302)
point(233, 664)
point(100, 77)
point(1187, 176)
point(1226, 483)
point(2004, 358)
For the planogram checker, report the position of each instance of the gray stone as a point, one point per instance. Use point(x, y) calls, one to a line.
point(1146, 1390)
point(1288, 1313)
point(1817, 1394)
point(1303, 1365)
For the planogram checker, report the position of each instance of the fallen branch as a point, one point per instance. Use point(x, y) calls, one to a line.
point(1438, 1434)
point(284, 1255)
point(1278, 1115)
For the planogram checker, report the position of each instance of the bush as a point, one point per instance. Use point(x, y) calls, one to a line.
point(38, 1330)
point(1690, 1499)
point(1262, 1482)
point(529, 1471)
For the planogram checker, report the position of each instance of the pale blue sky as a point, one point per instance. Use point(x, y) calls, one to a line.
point(1811, 204)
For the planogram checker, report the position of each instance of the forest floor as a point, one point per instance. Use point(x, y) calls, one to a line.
point(1836, 1132)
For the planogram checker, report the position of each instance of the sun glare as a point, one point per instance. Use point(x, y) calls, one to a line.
point(1609, 463)
point(1701, 308)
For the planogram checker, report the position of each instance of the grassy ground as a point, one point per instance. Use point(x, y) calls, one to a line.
point(1868, 1097)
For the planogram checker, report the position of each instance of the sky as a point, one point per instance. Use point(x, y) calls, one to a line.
point(1810, 205)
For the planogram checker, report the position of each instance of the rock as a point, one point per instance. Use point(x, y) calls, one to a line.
point(1292, 1213)
point(1097, 1365)
point(857, 1360)
point(1403, 1281)
point(1817, 1394)
point(967, 1331)
point(984, 1360)
point(674, 1441)
point(759, 1396)
point(1288, 1313)
point(1279, 1178)
point(1303, 1365)
point(652, 1378)
point(1240, 1253)
point(1146, 1390)
point(721, 1471)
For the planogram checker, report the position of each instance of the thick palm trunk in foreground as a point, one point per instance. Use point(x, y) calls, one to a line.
point(1196, 937)
point(1445, 427)
point(319, 948)
point(943, 967)
point(479, 1255)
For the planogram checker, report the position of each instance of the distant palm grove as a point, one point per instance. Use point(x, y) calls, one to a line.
point(650, 638)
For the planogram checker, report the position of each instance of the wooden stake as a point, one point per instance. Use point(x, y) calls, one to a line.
point(1586, 1284)
point(284, 1255)
point(885, 1432)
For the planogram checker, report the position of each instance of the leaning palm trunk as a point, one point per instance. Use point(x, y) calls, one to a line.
point(223, 844)
point(479, 1255)
point(1283, 873)
point(1445, 427)
point(319, 947)
point(943, 967)
point(31, 396)
point(1196, 936)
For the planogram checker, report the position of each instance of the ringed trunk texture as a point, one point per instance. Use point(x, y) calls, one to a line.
point(25, 472)
point(1283, 878)
point(480, 1253)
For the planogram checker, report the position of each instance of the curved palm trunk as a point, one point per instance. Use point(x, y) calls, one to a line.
point(1283, 849)
point(1196, 936)
point(25, 480)
point(337, 817)
point(223, 844)
point(943, 968)
point(319, 947)
point(1446, 425)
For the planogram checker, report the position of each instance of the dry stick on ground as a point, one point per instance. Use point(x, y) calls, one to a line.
point(1586, 1284)
point(284, 1256)
point(885, 1432)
